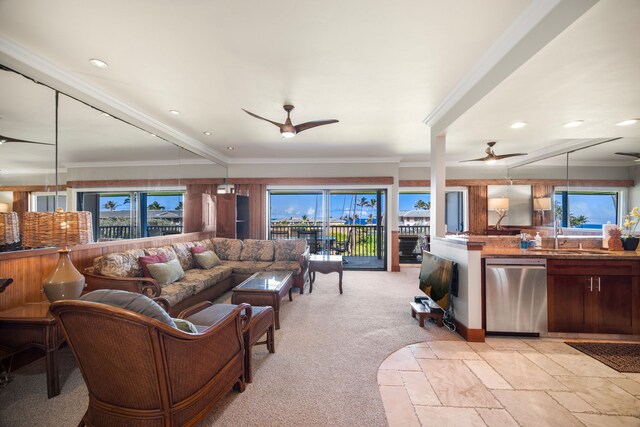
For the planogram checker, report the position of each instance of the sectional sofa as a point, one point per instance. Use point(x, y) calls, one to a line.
point(239, 259)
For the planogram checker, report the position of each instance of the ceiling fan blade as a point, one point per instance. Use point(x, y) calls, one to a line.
point(637, 155)
point(262, 118)
point(309, 125)
point(6, 139)
point(506, 156)
point(482, 159)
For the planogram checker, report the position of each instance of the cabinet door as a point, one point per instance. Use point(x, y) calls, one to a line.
point(609, 307)
point(566, 303)
point(226, 216)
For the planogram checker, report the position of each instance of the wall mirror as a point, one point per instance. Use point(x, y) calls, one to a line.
point(94, 150)
point(516, 199)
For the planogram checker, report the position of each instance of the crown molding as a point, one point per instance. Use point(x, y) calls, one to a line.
point(314, 160)
point(138, 163)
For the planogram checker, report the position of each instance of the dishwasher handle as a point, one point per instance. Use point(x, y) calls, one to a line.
point(519, 267)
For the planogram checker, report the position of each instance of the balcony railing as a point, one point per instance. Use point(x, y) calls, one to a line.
point(364, 238)
point(115, 232)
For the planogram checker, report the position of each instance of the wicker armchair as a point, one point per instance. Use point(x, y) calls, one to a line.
point(140, 371)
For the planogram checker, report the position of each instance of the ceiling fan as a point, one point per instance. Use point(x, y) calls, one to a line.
point(491, 157)
point(6, 139)
point(287, 129)
point(636, 155)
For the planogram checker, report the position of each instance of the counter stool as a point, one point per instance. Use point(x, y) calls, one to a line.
point(262, 321)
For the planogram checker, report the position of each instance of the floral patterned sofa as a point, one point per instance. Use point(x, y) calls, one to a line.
point(238, 260)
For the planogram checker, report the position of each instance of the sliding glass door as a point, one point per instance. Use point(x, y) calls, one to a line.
point(345, 222)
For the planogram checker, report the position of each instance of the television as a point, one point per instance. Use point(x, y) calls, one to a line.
point(438, 279)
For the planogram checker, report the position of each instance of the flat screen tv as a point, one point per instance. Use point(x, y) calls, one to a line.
point(438, 278)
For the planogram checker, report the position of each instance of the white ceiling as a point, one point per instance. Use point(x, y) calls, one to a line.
point(380, 68)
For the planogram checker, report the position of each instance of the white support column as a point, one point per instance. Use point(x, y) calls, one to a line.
point(438, 182)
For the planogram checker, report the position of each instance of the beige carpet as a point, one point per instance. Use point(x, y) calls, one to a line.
point(324, 371)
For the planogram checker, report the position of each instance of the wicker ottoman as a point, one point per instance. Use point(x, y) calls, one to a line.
point(262, 322)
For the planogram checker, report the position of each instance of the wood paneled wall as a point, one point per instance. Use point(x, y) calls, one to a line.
point(30, 268)
point(478, 214)
point(546, 219)
point(193, 220)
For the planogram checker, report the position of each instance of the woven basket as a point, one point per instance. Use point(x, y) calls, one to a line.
point(56, 229)
point(9, 230)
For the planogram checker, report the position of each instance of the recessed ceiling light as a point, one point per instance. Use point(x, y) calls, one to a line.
point(230, 148)
point(518, 125)
point(207, 133)
point(175, 112)
point(98, 63)
point(627, 122)
point(573, 124)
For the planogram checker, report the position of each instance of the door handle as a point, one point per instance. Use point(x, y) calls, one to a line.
point(591, 284)
point(598, 283)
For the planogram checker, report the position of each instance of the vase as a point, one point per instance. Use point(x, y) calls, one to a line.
point(65, 282)
point(630, 243)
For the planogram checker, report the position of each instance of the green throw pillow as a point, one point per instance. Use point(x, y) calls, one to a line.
point(166, 273)
point(207, 259)
point(185, 326)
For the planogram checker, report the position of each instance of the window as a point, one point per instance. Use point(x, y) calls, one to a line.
point(586, 209)
point(414, 210)
point(45, 202)
point(132, 214)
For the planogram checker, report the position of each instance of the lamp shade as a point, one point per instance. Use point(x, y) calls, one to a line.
point(9, 230)
point(56, 229)
point(542, 204)
point(498, 203)
point(4, 207)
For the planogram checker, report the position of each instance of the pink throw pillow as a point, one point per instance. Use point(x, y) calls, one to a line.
point(151, 259)
point(198, 249)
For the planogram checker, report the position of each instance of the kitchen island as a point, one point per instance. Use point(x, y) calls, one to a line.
point(590, 291)
point(573, 308)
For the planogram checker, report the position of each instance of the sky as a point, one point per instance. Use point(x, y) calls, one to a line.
point(169, 202)
point(290, 205)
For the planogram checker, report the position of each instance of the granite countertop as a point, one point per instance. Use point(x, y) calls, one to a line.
point(570, 253)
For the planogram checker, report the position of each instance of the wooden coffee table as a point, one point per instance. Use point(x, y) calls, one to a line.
point(32, 325)
point(325, 264)
point(264, 288)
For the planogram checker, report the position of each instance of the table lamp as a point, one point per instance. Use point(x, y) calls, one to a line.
point(501, 206)
point(59, 229)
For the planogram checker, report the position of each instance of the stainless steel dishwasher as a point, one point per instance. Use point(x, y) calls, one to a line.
point(516, 295)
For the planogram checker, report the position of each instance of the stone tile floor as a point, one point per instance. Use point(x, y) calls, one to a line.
point(505, 382)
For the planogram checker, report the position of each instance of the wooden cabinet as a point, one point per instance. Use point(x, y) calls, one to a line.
point(233, 216)
point(594, 296)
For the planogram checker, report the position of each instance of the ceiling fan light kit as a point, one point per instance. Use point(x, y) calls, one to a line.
point(287, 129)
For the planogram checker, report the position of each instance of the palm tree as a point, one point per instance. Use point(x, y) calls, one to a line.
point(577, 220)
point(422, 205)
point(110, 205)
point(155, 206)
point(179, 207)
point(363, 203)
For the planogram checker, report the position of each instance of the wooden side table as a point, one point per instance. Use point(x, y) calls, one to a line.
point(325, 264)
point(421, 311)
point(32, 325)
